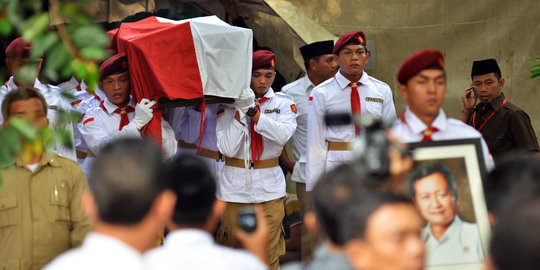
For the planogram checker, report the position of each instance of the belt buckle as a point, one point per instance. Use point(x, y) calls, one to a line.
point(220, 158)
point(251, 165)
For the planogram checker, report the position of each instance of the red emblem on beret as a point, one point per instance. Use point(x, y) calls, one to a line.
point(419, 61)
point(263, 59)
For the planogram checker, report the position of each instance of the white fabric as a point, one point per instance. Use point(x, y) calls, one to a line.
point(92, 101)
point(100, 127)
point(334, 96)
point(223, 53)
point(178, 117)
point(449, 129)
point(459, 244)
point(32, 167)
point(55, 102)
point(98, 251)
point(209, 140)
point(260, 185)
point(143, 113)
point(299, 90)
point(195, 249)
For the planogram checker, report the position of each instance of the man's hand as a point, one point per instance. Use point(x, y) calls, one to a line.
point(246, 100)
point(469, 100)
point(143, 113)
point(257, 241)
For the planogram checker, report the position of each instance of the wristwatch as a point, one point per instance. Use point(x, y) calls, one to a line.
point(252, 111)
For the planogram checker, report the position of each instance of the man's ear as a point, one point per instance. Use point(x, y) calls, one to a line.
point(501, 82)
point(164, 205)
point(218, 208)
point(89, 206)
point(312, 65)
point(403, 91)
point(312, 223)
point(357, 253)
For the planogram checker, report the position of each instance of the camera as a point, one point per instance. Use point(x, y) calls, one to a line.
point(247, 220)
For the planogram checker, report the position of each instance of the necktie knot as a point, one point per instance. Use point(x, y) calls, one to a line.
point(428, 132)
point(354, 85)
point(124, 120)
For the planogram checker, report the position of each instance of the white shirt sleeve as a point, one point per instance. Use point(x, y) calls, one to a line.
point(389, 110)
point(168, 140)
point(229, 132)
point(316, 147)
point(96, 136)
point(281, 129)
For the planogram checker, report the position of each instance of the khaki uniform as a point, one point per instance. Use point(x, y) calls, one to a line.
point(40, 212)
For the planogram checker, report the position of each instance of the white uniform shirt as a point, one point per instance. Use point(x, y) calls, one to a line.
point(209, 137)
point(195, 249)
point(276, 125)
point(460, 244)
point(98, 251)
point(334, 96)
point(55, 102)
point(299, 90)
point(178, 117)
point(100, 126)
point(411, 130)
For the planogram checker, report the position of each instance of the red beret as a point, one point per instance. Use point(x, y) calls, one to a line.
point(18, 48)
point(114, 65)
point(263, 59)
point(354, 37)
point(419, 61)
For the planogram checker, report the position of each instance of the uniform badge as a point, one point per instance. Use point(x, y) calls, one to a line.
point(293, 108)
point(466, 249)
point(53, 107)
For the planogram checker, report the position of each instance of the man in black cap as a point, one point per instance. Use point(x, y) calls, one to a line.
point(320, 65)
point(503, 125)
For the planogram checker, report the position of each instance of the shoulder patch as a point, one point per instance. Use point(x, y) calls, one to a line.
point(293, 108)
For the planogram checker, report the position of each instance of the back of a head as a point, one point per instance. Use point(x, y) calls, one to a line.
point(516, 238)
point(333, 193)
point(195, 189)
point(515, 175)
point(127, 176)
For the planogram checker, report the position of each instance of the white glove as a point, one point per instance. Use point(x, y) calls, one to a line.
point(246, 100)
point(143, 113)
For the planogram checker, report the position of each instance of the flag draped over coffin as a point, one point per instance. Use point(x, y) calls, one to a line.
point(184, 60)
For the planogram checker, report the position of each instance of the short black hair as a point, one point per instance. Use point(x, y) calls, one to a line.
point(195, 189)
point(426, 169)
point(515, 175)
point(516, 239)
point(21, 93)
point(362, 208)
point(335, 191)
point(126, 178)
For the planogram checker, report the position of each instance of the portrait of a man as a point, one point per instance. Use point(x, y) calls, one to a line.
point(448, 238)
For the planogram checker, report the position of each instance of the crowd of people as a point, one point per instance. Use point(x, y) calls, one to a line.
point(121, 201)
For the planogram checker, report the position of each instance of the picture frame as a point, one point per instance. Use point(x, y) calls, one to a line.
point(465, 162)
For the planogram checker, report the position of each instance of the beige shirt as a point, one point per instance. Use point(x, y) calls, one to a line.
point(40, 212)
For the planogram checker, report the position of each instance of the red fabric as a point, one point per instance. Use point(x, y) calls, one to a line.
point(124, 120)
point(419, 61)
point(355, 103)
point(263, 59)
point(354, 37)
point(162, 63)
point(427, 134)
point(256, 138)
point(18, 48)
point(115, 64)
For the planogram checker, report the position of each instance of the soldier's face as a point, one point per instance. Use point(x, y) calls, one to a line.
point(117, 88)
point(392, 240)
point(16, 64)
point(487, 87)
point(352, 59)
point(325, 66)
point(261, 81)
point(433, 199)
point(425, 92)
point(30, 109)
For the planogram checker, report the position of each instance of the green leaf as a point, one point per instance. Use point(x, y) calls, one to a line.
point(71, 116)
point(63, 137)
point(97, 53)
point(79, 69)
point(67, 95)
point(5, 27)
point(58, 57)
point(42, 43)
point(21, 125)
point(47, 137)
point(67, 71)
point(10, 141)
point(27, 73)
point(90, 36)
point(535, 66)
point(36, 25)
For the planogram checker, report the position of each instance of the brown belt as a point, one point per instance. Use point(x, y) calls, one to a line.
point(339, 146)
point(80, 154)
point(262, 164)
point(208, 153)
point(183, 144)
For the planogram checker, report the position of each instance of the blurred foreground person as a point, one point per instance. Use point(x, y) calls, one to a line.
point(40, 198)
point(385, 231)
point(129, 204)
point(516, 238)
point(190, 244)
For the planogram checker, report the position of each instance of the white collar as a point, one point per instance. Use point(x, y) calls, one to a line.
point(97, 240)
point(455, 225)
point(11, 84)
point(269, 94)
point(417, 126)
point(308, 84)
point(110, 107)
point(188, 238)
point(344, 82)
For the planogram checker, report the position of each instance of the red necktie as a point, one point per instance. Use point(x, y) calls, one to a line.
point(256, 138)
point(428, 132)
point(355, 102)
point(123, 114)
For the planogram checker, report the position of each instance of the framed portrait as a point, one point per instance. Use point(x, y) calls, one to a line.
point(446, 188)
